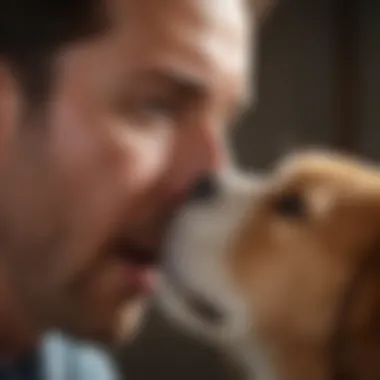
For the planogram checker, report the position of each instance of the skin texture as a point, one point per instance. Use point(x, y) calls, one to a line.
point(135, 117)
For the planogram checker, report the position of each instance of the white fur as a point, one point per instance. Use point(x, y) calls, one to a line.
point(196, 253)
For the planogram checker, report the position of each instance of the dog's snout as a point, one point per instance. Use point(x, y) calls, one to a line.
point(204, 190)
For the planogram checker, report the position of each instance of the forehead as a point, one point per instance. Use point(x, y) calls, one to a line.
point(206, 39)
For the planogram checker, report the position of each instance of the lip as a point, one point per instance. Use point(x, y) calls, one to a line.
point(141, 279)
point(139, 264)
point(139, 259)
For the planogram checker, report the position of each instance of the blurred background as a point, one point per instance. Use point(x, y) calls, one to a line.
point(318, 83)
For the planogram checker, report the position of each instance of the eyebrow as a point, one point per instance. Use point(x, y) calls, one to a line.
point(182, 80)
point(189, 84)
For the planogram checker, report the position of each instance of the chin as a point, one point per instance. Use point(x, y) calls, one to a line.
point(110, 332)
point(130, 321)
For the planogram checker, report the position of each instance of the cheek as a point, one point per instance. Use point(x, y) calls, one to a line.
point(92, 147)
point(150, 154)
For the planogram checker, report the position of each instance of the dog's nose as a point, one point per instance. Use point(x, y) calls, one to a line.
point(204, 190)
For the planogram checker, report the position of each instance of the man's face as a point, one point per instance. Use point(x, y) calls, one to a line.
point(135, 117)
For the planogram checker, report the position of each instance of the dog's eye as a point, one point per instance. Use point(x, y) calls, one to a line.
point(290, 206)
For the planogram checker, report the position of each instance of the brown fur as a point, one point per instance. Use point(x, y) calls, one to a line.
point(297, 273)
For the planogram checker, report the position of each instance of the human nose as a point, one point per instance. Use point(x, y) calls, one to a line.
point(201, 152)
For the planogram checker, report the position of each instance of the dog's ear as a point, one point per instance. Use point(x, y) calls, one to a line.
point(358, 340)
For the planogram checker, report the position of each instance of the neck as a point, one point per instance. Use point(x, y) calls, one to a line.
point(299, 362)
point(285, 361)
point(17, 333)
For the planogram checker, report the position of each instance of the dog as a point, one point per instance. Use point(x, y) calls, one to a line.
point(283, 271)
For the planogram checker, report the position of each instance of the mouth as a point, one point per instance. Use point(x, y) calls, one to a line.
point(139, 263)
point(204, 309)
point(136, 254)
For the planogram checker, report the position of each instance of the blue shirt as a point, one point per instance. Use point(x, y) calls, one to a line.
point(60, 358)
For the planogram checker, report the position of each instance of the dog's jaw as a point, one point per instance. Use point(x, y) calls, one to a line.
point(292, 263)
point(197, 257)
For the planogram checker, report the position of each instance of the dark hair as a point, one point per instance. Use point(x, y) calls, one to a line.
point(31, 32)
